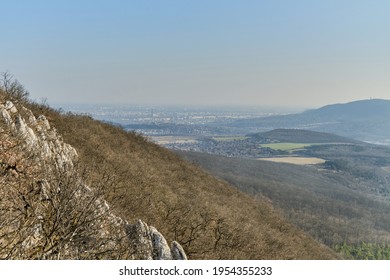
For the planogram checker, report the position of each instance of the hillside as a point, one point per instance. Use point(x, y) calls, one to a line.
point(301, 136)
point(345, 200)
point(365, 120)
point(208, 217)
point(50, 208)
point(360, 109)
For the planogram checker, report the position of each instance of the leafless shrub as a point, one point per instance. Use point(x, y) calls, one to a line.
point(47, 213)
point(13, 90)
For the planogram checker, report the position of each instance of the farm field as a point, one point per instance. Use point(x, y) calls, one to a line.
point(287, 146)
point(386, 168)
point(163, 140)
point(295, 160)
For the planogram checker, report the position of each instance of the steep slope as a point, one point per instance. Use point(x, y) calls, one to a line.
point(209, 218)
point(47, 211)
point(334, 206)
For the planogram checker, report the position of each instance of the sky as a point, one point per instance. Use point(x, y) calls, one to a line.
point(301, 53)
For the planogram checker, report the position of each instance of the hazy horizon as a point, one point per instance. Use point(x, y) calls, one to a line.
point(286, 54)
point(200, 106)
point(177, 105)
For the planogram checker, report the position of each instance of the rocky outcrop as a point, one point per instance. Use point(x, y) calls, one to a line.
point(151, 243)
point(54, 214)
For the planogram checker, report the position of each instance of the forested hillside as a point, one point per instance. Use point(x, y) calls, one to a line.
point(208, 217)
point(344, 201)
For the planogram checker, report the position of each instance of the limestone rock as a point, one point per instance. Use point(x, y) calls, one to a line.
point(161, 250)
point(10, 107)
point(151, 244)
point(178, 252)
point(43, 147)
point(5, 115)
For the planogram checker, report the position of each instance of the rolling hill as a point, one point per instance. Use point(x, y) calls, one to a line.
point(301, 136)
point(365, 120)
point(356, 110)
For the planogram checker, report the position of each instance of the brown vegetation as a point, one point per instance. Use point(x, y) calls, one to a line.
point(46, 209)
point(211, 219)
point(334, 207)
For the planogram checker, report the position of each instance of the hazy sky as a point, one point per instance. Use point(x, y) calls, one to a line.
point(217, 52)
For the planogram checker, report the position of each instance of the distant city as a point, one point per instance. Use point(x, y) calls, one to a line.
point(227, 130)
point(191, 128)
point(185, 115)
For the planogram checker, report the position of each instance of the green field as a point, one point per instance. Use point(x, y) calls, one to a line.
point(287, 146)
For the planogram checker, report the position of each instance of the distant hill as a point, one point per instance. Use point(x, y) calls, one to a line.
point(301, 136)
point(361, 109)
point(365, 120)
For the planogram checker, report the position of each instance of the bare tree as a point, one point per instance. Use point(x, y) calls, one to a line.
point(56, 216)
point(50, 213)
point(14, 90)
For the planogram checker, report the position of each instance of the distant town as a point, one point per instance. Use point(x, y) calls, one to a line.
point(184, 115)
point(201, 129)
point(228, 131)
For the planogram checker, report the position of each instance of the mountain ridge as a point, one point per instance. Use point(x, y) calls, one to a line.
point(364, 120)
point(301, 136)
point(354, 109)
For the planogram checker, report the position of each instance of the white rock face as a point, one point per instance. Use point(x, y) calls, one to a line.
point(10, 107)
point(5, 115)
point(38, 140)
point(44, 141)
point(161, 250)
point(178, 252)
point(151, 243)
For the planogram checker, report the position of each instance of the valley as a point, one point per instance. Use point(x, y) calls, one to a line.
point(335, 188)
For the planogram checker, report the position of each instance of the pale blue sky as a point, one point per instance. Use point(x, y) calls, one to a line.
point(215, 52)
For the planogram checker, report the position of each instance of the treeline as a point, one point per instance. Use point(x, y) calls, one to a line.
point(364, 251)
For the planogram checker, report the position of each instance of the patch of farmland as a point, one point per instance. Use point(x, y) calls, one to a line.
point(295, 160)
